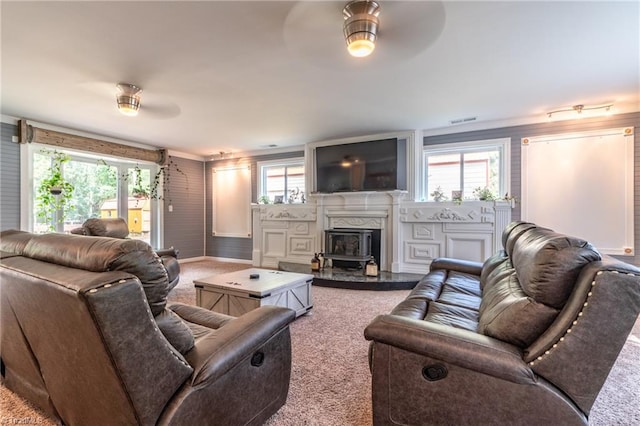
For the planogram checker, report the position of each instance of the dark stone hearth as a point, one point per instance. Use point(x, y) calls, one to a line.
point(355, 278)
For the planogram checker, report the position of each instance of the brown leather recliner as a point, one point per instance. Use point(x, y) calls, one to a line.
point(86, 336)
point(117, 228)
point(528, 337)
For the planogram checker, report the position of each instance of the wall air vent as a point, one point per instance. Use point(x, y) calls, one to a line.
point(463, 120)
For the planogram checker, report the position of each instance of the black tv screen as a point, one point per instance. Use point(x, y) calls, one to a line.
point(363, 166)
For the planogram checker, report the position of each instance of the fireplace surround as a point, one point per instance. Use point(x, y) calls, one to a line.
point(411, 233)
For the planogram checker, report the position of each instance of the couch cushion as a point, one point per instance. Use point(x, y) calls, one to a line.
point(411, 308)
point(453, 316)
point(491, 264)
point(508, 314)
point(461, 290)
point(497, 270)
point(14, 241)
point(430, 286)
point(548, 264)
point(512, 232)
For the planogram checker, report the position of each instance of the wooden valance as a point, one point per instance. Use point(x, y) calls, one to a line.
point(29, 134)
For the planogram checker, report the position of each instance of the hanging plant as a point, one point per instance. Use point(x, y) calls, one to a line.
point(55, 193)
point(140, 189)
point(159, 188)
point(163, 192)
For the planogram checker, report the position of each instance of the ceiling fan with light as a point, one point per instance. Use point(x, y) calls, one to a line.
point(397, 30)
point(131, 102)
point(361, 26)
point(128, 99)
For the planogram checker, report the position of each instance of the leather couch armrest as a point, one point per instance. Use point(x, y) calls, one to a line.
point(460, 347)
point(465, 266)
point(220, 351)
point(200, 316)
point(172, 267)
point(171, 251)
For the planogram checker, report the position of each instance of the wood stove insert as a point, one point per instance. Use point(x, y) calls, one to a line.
point(348, 244)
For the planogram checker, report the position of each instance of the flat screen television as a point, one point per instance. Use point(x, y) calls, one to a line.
point(378, 165)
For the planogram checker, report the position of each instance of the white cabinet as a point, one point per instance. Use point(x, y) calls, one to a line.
point(283, 232)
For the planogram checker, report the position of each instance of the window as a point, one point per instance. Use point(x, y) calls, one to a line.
point(282, 180)
point(102, 188)
point(457, 170)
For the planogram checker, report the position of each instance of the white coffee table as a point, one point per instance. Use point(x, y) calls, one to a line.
point(236, 293)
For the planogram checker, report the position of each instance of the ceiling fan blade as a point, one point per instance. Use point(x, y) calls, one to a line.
point(159, 111)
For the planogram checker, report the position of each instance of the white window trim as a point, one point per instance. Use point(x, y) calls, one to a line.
point(275, 163)
point(504, 144)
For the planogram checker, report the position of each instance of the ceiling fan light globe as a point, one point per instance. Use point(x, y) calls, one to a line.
point(128, 105)
point(128, 99)
point(361, 27)
point(361, 48)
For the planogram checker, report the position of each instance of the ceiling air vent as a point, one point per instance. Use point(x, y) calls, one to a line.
point(463, 120)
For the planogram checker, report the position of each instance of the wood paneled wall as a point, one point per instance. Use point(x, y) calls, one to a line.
point(184, 226)
point(9, 178)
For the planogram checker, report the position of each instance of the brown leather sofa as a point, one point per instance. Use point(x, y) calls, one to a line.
point(86, 335)
point(528, 337)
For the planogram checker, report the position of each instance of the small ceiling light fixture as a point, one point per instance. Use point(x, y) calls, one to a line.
point(128, 99)
point(580, 108)
point(361, 26)
point(222, 156)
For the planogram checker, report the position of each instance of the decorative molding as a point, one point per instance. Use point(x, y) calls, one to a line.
point(357, 213)
point(356, 222)
point(273, 243)
point(421, 253)
point(474, 247)
point(301, 228)
point(476, 227)
point(448, 215)
point(301, 245)
point(288, 213)
point(423, 231)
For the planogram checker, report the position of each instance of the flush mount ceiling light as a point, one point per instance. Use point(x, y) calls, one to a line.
point(361, 26)
point(128, 99)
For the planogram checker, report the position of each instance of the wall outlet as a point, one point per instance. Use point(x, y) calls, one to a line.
point(170, 208)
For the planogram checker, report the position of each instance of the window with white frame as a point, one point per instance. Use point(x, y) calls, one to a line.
point(102, 188)
point(281, 181)
point(467, 170)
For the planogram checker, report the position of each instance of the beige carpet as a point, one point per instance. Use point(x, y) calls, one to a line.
point(330, 381)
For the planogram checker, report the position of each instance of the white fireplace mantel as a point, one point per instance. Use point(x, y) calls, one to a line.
point(412, 233)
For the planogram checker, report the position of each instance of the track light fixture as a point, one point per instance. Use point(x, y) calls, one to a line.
point(580, 108)
point(361, 26)
point(128, 99)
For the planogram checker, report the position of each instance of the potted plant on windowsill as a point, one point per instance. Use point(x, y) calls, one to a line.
point(484, 194)
point(54, 193)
